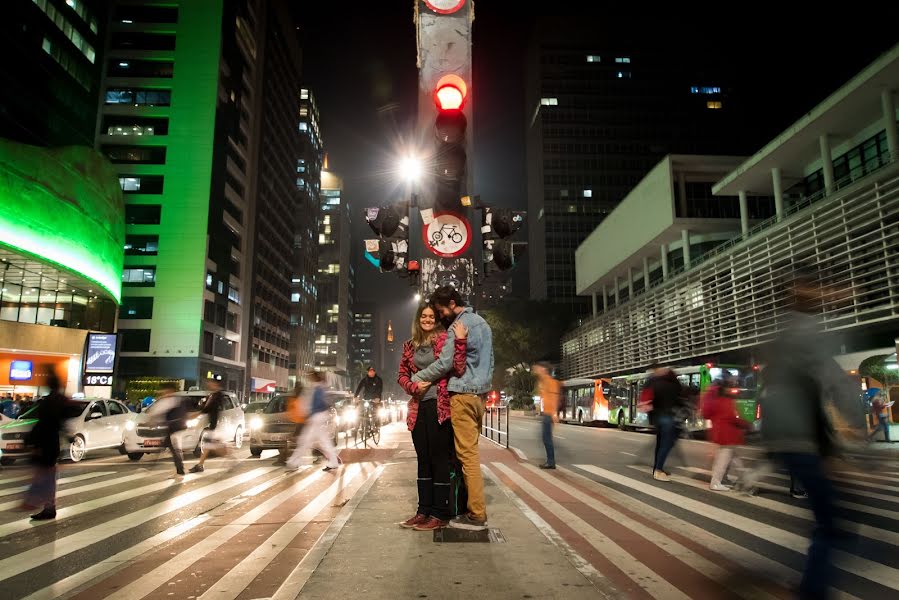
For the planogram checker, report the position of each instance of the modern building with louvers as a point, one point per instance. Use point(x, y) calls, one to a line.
point(675, 287)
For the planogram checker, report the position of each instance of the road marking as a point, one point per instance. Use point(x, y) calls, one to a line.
point(521, 455)
point(155, 578)
point(63, 481)
point(292, 587)
point(665, 543)
point(602, 584)
point(86, 488)
point(639, 573)
point(876, 533)
point(41, 555)
point(83, 507)
point(873, 571)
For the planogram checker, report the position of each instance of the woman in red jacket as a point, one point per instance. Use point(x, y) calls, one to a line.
point(727, 429)
point(429, 417)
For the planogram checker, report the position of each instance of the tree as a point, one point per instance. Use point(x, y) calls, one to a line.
point(877, 367)
point(524, 332)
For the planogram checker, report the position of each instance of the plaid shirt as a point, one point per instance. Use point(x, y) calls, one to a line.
point(408, 369)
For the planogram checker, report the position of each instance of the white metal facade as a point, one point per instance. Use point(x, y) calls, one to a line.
point(734, 299)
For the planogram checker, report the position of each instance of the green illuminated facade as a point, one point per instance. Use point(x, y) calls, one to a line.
point(62, 206)
point(177, 121)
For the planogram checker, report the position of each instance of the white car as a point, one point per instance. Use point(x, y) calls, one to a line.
point(93, 423)
point(147, 433)
point(273, 429)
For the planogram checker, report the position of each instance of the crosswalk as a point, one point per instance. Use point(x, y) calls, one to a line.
point(238, 530)
point(649, 539)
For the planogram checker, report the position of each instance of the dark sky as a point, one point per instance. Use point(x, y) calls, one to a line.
point(356, 63)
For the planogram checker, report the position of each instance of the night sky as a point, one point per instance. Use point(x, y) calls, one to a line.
point(357, 63)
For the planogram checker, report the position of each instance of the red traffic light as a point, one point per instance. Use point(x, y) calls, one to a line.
point(450, 93)
point(414, 266)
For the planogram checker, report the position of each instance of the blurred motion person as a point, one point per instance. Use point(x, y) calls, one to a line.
point(44, 438)
point(172, 413)
point(727, 428)
point(880, 410)
point(802, 388)
point(315, 427)
point(550, 391)
point(663, 398)
point(213, 437)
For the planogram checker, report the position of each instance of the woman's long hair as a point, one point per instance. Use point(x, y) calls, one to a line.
point(419, 336)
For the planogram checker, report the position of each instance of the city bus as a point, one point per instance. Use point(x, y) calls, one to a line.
point(624, 393)
point(585, 400)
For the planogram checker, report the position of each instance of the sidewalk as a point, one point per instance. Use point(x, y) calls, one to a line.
point(373, 556)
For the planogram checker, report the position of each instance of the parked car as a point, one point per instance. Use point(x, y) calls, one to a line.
point(93, 423)
point(147, 433)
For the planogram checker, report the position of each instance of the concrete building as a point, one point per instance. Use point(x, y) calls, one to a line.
point(833, 179)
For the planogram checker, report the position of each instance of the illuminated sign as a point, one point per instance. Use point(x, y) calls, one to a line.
point(20, 370)
point(101, 349)
point(98, 380)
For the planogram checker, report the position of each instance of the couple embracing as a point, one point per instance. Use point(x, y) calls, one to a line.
point(447, 369)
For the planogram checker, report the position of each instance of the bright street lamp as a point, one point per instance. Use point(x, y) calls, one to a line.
point(410, 169)
point(418, 297)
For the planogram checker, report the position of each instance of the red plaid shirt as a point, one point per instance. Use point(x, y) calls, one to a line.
point(408, 369)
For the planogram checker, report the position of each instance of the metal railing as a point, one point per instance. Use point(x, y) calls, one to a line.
point(495, 425)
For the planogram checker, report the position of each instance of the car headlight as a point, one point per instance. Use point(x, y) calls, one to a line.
point(337, 419)
point(366, 404)
point(382, 413)
point(129, 425)
point(351, 415)
point(255, 423)
point(193, 422)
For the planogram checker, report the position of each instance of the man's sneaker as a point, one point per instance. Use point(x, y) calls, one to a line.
point(197, 469)
point(416, 520)
point(799, 494)
point(660, 476)
point(547, 466)
point(431, 524)
point(719, 487)
point(468, 522)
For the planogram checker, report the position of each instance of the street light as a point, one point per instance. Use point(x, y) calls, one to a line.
point(418, 297)
point(410, 169)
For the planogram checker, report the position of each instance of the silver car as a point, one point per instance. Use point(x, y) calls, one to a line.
point(92, 423)
point(272, 429)
point(147, 434)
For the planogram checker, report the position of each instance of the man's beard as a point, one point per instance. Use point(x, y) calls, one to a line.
point(447, 321)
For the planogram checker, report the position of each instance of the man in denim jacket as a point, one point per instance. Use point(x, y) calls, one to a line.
point(467, 395)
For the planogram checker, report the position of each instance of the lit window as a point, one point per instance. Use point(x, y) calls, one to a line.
point(304, 94)
point(624, 74)
point(592, 58)
point(304, 126)
point(623, 60)
point(46, 46)
point(295, 297)
point(321, 238)
point(549, 101)
point(713, 104)
point(563, 193)
point(572, 208)
point(588, 193)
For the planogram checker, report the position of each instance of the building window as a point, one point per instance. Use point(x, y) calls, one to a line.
point(131, 40)
point(295, 297)
point(233, 295)
point(143, 184)
point(134, 307)
point(208, 280)
point(140, 68)
point(139, 276)
point(549, 101)
point(588, 193)
point(135, 340)
point(148, 155)
point(592, 58)
point(624, 74)
point(704, 90)
point(623, 59)
point(143, 214)
point(139, 97)
point(207, 343)
point(141, 245)
point(713, 104)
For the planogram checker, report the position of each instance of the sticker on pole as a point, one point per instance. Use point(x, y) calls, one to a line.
point(448, 235)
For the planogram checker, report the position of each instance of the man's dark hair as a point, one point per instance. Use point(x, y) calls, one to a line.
point(443, 295)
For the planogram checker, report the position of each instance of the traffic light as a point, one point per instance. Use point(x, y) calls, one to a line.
point(391, 225)
point(497, 226)
point(450, 154)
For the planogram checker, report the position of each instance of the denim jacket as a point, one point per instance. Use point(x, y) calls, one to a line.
point(478, 375)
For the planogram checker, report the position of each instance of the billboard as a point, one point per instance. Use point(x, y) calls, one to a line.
point(101, 353)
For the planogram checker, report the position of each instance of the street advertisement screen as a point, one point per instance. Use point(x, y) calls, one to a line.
point(101, 349)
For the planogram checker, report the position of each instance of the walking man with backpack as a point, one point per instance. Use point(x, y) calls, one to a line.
point(172, 412)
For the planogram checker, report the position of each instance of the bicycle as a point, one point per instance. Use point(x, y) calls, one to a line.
point(369, 424)
point(452, 234)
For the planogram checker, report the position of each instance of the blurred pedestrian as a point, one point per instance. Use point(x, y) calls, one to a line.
point(315, 427)
point(550, 391)
point(727, 429)
point(44, 438)
point(880, 410)
point(172, 413)
point(802, 387)
point(213, 437)
point(662, 397)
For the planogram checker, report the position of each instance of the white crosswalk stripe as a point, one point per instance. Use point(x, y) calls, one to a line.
point(62, 481)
